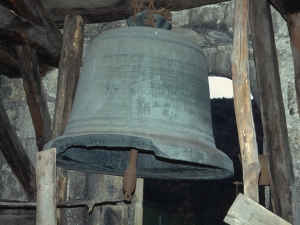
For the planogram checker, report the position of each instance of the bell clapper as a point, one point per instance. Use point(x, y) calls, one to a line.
point(129, 181)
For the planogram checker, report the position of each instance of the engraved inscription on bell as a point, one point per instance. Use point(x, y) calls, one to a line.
point(143, 88)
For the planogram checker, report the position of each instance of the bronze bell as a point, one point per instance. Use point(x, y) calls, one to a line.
point(147, 89)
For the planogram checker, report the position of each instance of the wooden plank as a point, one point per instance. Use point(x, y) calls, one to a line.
point(15, 30)
point(293, 23)
point(9, 72)
point(34, 11)
point(286, 7)
point(46, 187)
point(81, 203)
point(18, 219)
point(245, 211)
point(9, 65)
point(62, 182)
point(68, 74)
point(110, 10)
point(242, 101)
point(138, 201)
point(7, 58)
point(16, 156)
point(5, 4)
point(35, 95)
point(283, 191)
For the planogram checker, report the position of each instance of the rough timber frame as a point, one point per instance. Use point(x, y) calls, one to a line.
point(32, 25)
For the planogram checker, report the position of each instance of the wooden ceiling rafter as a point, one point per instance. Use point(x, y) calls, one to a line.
point(104, 11)
point(15, 30)
point(21, 18)
point(42, 35)
point(16, 156)
point(9, 62)
point(286, 7)
point(35, 95)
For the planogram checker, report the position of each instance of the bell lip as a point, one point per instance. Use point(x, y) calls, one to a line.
point(217, 160)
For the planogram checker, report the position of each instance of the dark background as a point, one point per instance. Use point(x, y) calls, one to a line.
point(202, 202)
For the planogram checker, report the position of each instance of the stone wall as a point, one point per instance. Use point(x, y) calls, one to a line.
point(210, 26)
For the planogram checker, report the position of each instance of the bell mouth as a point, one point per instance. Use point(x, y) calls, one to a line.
point(156, 159)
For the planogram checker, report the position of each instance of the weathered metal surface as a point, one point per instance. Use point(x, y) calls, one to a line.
point(154, 98)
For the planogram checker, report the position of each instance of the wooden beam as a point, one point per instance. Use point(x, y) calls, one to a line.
point(284, 195)
point(15, 30)
point(5, 4)
point(245, 211)
point(16, 156)
point(242, 101)
point(34, 11)
point(7, 58)
point(68, 74)
point(35, 95)
point(69, 70)
point(82, 203)
point(9, 65)
point(294, 30)
point(286, 7)
point(46, 187)
point(18, 219)
point(9, 72)
point(107, 11)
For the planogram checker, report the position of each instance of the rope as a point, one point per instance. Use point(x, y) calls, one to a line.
point(165, 12)
point(137, 5)
point(150, 16)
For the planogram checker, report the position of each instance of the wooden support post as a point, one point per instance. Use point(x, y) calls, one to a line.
point(69, 70)
point(46, 187)
point(293, 22)
point(283, 191)
point(242, 101)
point(245, 211)
point(35, 94)
point(16, 156)
point(68, 74)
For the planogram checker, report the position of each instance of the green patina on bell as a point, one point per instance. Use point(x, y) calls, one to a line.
point(143, 88)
